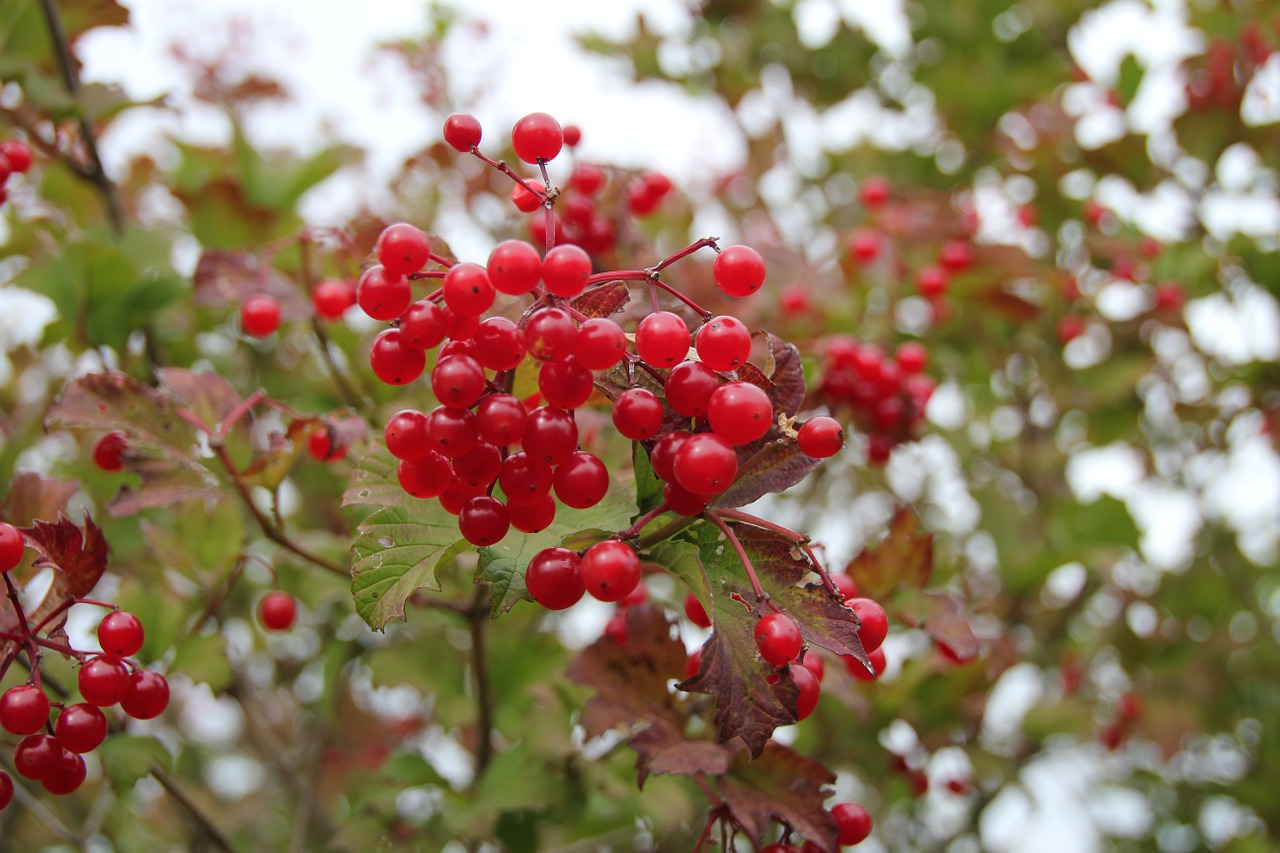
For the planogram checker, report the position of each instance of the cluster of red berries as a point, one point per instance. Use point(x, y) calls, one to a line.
point(15, 158)
point(53, 757)
point(885, 395)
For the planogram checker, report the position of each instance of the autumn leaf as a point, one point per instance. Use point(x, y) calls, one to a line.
point(206, 395)
point(904, 558)
point(32, 497)
point(783, 785)
point(603, 300)
point(764, 467)
point(223, 276)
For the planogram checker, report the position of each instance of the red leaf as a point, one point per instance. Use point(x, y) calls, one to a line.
point(764, 467)
point(663, 749)
point(224, 276)
point(207, 395)
point(603, 300)
point(31, 496)
point(903, 558)
point(780, 785)
point(164, 483)
point(785, 370)
point(946, 623)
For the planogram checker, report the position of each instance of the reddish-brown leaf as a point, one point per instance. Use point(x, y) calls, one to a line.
point(947, 624)
point(661, 747)
point(164, 482)
point(207, 395)
point(785, 370)
point(603, 300)
point(103, 402)
point(229, 277)
point(780, 785)
point(764, 467)
point(31, 496)
point(904, 558)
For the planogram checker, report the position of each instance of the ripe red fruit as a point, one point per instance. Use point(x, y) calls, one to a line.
point(120, 634)
point(524, 478)
point(581, 480)
point(12, 545)
point(874, 621)
point(483, 520)
point(637, 414)
point(689, 387)
point(514, 267)
point(536, 137)
point(402, 249)
point(610, 570)
point(565, 384)
point(6, 789)
point(331, 299)
point(853, 822)
point(681, 501)
point(723, 343)
point(696, 613)
point(260, 315)
point(740, 412)
point(705, 464)
point(810, 691)
point(533, 515)
point(277, 610)
point(393, 360)
point(778, 638)
point(794, 300)
point(587, 178)
point(847, 586)
point(1070, 327)
point(383, 295)
point(109, 449)
point(572, 135)
point(550, 334)
point(566, 269)
point(67, 775)
point(739, 270)
point(931, 281)
point(103, 681)
point(874, 191)
point(462, 131)
point(663, 455)
point(692, 664)
point(550, 435)
point(500, 418)
point(146, 696)
point(553, 578)
point(527, 201)
point(662, 339)
point(24, 709)
point(81, 728)
point(406, 435)
point(458, 381)
point(17, 153)
point(813, 662)
point(601, 343)
point(820, 437)
point(467, 289)
point(864, 245)
point(1169, 296)
point(37, 756)
point(956, 255)
point(424, 478)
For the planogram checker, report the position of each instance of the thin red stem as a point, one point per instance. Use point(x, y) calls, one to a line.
point(634, 530)
point(799, 538)
point(501, 166)
point(714, 518)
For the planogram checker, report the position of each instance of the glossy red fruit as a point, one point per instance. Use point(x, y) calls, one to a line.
point(572, 135)
point(331, 299)
point(810, 691)
point(637, 414)
point(12, 546)
point(587, 178)
point(610, 570)
point(911, 357)
point(565, 270)
point(874, 191)
point(483, 521)
point(458, 381)
point(553, 578)
point(601, 343)
point(1070, 327)
point(260, 315)
point(525, 200)
point(425, 478)
point(662, 339)
point(740, 412)
point(739, 270)
point(402, 249)
point(847, 586)
point(406, 435)
point(864, 245)
point(565, 384)
point(37, 756)
point(931, 281)
point(393, 360)
point(277, 610)
point(723, 343)
point(689, 387)
point(109, 450)
point(874, 621)
point(17, 153)
point(536, 137)
point(853, 822)
point(695, 612)
point(24, 709)
point(705, 464)
point(550, 435)
point(692, 664)
point(581, 480)
point(681, 501)
point(381, 294)
point(67, 775)
point(146, 696)
point(424, 325)
point(462, 131)
point(778, 638)
point(467, 289)
point(533, 515)
point(514, 267)
point(551, 334)
point(6, 789)
point(81, 728)
point(103, 681)
point(500, 418)
point(120, 634)
point(820, 437)
point(663, 455)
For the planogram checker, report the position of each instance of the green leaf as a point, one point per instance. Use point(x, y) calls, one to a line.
point(128, 758)
point(397, 554)
point(203, 659)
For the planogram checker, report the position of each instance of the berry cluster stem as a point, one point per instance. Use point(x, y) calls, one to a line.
point(799, 538)
point(714, 517)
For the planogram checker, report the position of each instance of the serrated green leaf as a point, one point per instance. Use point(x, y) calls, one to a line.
point(397, 554)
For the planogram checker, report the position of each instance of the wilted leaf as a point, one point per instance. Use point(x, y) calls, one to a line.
point(904, 558)
point(603, 300)
point(780, 785)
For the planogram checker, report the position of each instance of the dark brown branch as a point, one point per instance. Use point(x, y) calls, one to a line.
point(207, 825)
point(479, 624)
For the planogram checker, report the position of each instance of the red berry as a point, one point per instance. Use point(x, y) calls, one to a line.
point(820, 437)
point(553, 578)
point(260, 315)
point(424, 325)
point(6, 789)
point(692, 664)
point(103, 681)
point(277, 610)
point(911, 356)
point(663, 455)
point(37, 756)
point(12, 546)
point(480, 465)
point(536, 137)
point(874, 191)
point(81, 728)
point(739, 270)
point(581, 480)
point(723, 343)
point(740, 412)
point(331, 299)
point(382, 294)
point(778, 638)
point(514, 267)
point(462, 131)
point(424, 478)
point(146, 696)
point(17, 153)
point(467, 289)
point(662, 339)
point(1070, 327)
point(525, 199)
point(813, 662)
point(550, 435)
point(794, 300)
point(524, 478)
point(956, 255)
point(931, 281)
point(705, 464)
point(565, 384)
point(500, 418)
point(406, 435)
point(1169, 296)
point(393, 360)
point(610, 570)
point(572, 135)
point(695, 612)
point(533, 515)
point(864, 245)
point(483, 521)
point(689, 387)
point(874, 621)
point(853, 822)
point(24, 709)
point(120, 634)
point(637, 414)
point(847, 586)
point(67, 775)
point(457, 494)
point(550, 334)
point(402, 249)
point(601, 343)
point(566, 269)
point(681, 501)
point(810, 691)
point(587, 178)
point(458, 381)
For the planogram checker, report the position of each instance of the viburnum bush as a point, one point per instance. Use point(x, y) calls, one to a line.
point(931, 507)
